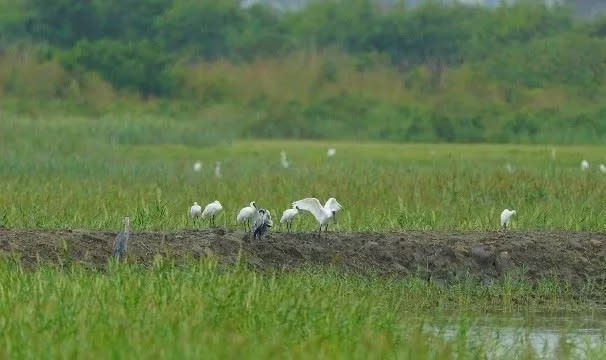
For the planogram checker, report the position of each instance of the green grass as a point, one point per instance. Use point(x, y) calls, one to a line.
point(79, 172)
point(203, 310)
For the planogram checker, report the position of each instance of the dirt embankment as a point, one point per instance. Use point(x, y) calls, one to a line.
point(575, 257)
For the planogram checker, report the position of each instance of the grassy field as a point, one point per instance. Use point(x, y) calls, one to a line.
point(85, 173)
point(203, 310)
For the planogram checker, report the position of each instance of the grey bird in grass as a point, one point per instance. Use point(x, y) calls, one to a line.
point(262, 223)
point(121, 242)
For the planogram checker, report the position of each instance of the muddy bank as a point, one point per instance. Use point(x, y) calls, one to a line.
point(575, 257)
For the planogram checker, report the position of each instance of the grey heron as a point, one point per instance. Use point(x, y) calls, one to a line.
point(121, 241)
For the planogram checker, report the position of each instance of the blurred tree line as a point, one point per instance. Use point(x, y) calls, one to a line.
point(515, 72)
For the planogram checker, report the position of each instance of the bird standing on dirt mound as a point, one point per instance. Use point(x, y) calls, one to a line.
point(246, 214)
point(288, 216)
point(506, 217)
point(211, 210)
point(262, 223)
point(121, 241)
point(322, 213)
point(195, 211)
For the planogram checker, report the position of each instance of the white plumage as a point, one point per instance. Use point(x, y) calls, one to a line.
point(195, 210)
point(247, 213)
point(584, 165)
point(603, 168)
point(211, 210)
point(218, 174)
point(283, 160)
point(331, 152)
point(506, 217)
point(322, 213)
point(198, 166)
point(288, 216)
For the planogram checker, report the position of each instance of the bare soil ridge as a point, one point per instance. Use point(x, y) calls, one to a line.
point(575, 257)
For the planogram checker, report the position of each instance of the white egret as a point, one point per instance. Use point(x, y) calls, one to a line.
point(211, 210)
point(121, 241)
point(288, 217)
point(584, 165)
point(509, 168)
point(218, 170)
point(198, 166)
point(506, 217)
point(283, 160)
point(262, 223)
point(603, 168)
point(195, 211)
point(246, 214)
point(322, 213)
point(331, 152)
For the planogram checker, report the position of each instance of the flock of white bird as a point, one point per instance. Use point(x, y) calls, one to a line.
point(261, 218)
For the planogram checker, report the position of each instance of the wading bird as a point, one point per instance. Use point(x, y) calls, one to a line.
point(195, 211)
point(584, 165)
point(218, 170)
point(331, 152)
point(506, 217)
point(262, 223)
point(509, 168)
point(121, 241)
point(247, 214)
point(288, 216)
point(198, 166)
point(284, 160)
point(211, 210)
point(603, 168)
point(322, 213)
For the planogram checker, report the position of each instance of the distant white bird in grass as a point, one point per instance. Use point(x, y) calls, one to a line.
point(212, 210)
point(322, 213)
point(198, 166)
point(506, 217)
point(218, 174)
point(121, 241)
point(603, 168)
point(195, 211)
point(284, 160)
point(584, 165)
point(247, 214)
point(509, 168)
point(331, 152)
point(262, 223)
point(288, 216)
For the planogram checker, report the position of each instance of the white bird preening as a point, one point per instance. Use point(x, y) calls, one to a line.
point(288, 216)
point(195, 211)
point(211, 210)
point(506, 217)
point(198, 166)
point(603, 168)
point(584, 165)
point(218, 174)
point(283, 160)
point(322, 213)
point(331, 152)
point(247, 214)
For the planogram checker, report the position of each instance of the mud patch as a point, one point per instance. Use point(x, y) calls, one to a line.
point(578, 258)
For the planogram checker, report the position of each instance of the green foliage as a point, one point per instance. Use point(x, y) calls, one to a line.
point(139, 66)
point(205, 310)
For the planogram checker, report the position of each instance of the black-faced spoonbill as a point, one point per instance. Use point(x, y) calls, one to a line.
point(322, 213)
point(506, 217)
point(211, 210)
point(288, 216)
point(195, 211)
point(247, 214)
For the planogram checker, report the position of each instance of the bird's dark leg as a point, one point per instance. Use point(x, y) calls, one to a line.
point(320, 231)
